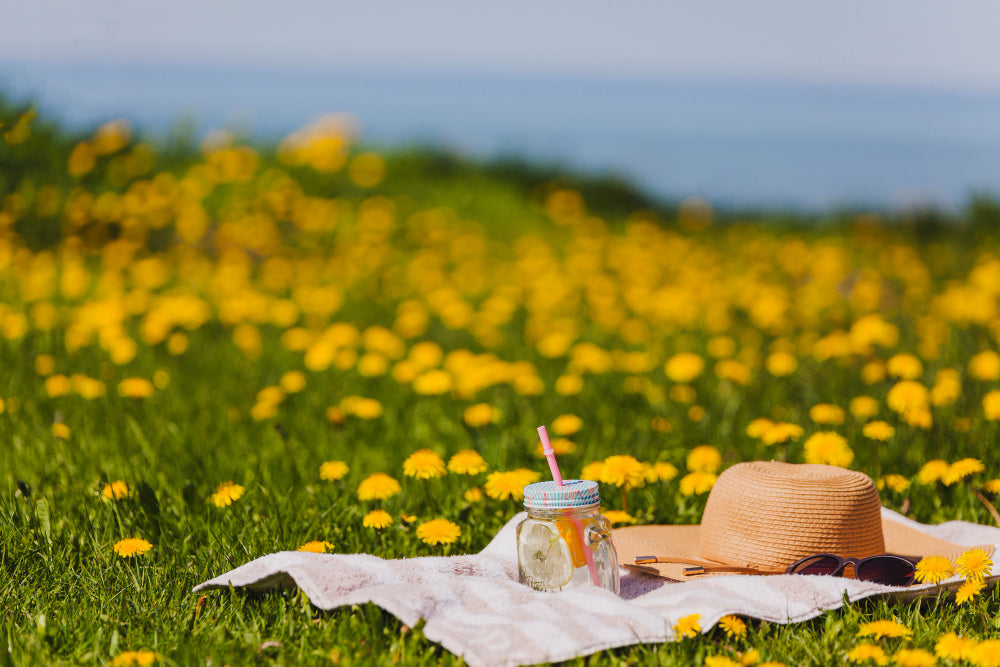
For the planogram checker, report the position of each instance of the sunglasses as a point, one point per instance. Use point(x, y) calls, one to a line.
point(886, 569)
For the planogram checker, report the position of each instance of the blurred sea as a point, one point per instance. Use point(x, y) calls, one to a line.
point(735, 143)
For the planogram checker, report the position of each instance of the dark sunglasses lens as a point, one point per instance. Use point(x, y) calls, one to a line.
point(817, 565)
point(885, 570)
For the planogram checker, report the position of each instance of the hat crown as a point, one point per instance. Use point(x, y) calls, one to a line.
point(768, 514)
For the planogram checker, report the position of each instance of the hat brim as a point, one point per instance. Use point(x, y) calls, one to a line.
point(682, 544)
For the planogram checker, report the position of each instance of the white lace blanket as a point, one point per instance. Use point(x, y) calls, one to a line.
point(475, 607)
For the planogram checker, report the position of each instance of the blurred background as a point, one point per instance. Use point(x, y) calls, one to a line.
point(777, 104)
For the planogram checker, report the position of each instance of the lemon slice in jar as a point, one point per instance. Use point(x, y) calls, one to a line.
point(545, 561)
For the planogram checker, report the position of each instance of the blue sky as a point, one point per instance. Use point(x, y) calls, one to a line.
point(908, 42)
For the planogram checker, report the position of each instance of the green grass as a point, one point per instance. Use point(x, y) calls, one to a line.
point(67, 598)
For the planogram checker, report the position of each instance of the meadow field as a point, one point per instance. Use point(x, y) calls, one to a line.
point(214, 352)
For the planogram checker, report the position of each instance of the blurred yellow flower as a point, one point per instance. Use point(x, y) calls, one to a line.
point(115, 490)
point(569, 384)
point(878, 430)
point(959, 470)
point(480, 414)
point(829, 448)
point(863, 407)
point(703, 458)
point(509, 484)
point(566, 424)
point(316, 547)
point(951, 646)
point(438, 531)
point(132, 546)
point(913, 657)
point(733, 626)
point(684, 367)
point(932, 471)
point(883, 628)
point(907, 396)
point(473, 495)
point(378, 486)
point(782, 432)
point(781, 364)
point(433, 382)
point(697, 483)
point(424, 464)
point(734, 371)
point(61, 431)
point(758, 427)
point(226, 494)
point(134, 659)
point(467, 462)
point(826, 413)
point(331, 471)
point(560, 446)
point(687, 626)
point(663, 471)
point(985, 366)
point(618, 516)
point(135, 388)
point(905, 367)
point(622, 470)
point(991, 405)
point(865, 652)
point(896, 483)
point(592, 471)
point(377, 519)
point(59, 385)
point(292, 381)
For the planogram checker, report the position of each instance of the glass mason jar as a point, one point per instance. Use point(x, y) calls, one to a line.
point(565, 542)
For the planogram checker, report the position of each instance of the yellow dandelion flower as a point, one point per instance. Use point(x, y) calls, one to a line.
point(863, 407)
point(560, 446)
point(566, 424)
point(872, 372)
point(865, 652)
point(959, 470)
point(985, 653)
point(697, 483)
point(893, 482)
point(663, 471)
point(377, 519)
point(115, 490)
point(661, 425)
point(951, 646)
point(781, 364)
point(704, 458)
point(60, 385)
point(293, 382)
point(438, 531)
point(829, 448)
point(683, 393)
point(570, 384)
point(934, 569)
point(687, 626)
point(907, 396)
point(758, 427)
point(734, 371)
point(985, 366)
point(433, 382)
point(61, 431)
point(782, 432)
point(932, 471)
point(467, 462)
point(827, 413)
point(592, 471)
point(135, 388)
point(623, 470)
point(904, 366)
point(991, 404)
point(132, 546)
point(992, 486)
point(378, 486)
point(509, 484)
point(878, 430)
point(720, 661)
point(696, 413)
point(913, 657)
point(883, 628)
point(734, 626)
point(473, 495)
point(974, 564)
point(751, 657)
point(424, 464)
point(316, 547)
point(407, 518)
point(134, 659)
point(331, 471)
point(969, 590)
point(618, 516)
point(684, 367)
point(361, 407)
point(226, 494)
point(480, 414)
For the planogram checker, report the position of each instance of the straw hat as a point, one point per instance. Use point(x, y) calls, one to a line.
point(765, 515)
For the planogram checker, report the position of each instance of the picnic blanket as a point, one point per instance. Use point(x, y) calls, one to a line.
point(474, 606)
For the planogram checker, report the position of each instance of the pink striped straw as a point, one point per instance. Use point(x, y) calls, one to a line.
point(550, 455)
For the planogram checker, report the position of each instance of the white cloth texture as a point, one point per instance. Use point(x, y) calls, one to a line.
point(474, 606)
